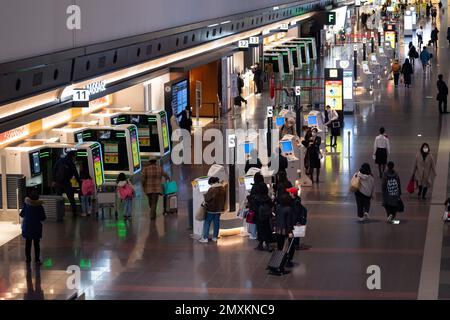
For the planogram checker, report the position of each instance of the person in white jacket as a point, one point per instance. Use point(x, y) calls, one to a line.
point(381, 150)
point(365, 191)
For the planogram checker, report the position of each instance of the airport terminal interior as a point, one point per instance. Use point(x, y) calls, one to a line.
point(131, 131)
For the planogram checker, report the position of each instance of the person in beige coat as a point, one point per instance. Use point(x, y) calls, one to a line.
point(424, 170)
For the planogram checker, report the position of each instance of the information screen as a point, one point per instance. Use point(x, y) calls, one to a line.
point(286, 146)
point(144, 135)
point(135, 148)
point(279, 121)
point(80, 137)
point(203, 185)
point(98, 166)
point(348, 85)
point(312, 120)
point(111, 152)
point(248, 183)
point(248, 147)
point(333, 94)
point(389, 36)
point(179, 96)
point(35, 164)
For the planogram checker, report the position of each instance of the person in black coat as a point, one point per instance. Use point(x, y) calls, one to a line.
point(284, 219)
point(186, 119)
point(63, 171)
point(312, 156)
point(300, 218)
point(33, 214)
point(407, 71)
point(442, 94)
point(448, 35)
point(261, 204)
point(282, 183)
point(257, 78)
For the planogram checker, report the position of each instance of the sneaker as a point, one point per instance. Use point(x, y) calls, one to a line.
point(214, 239)
point(203, 240)
point(366, 216)
point(252, 238)
point(361, 219)
point(389, 219)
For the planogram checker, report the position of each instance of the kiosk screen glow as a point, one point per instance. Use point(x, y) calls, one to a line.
point(333, 94)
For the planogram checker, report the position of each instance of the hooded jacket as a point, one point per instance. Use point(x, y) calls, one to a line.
point(215, 198)
point(33, 214)
point(366, 184)
point(389, 199)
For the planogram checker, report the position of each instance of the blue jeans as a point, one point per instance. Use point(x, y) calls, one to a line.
point(252, 230)
point(215, 219)
point(86, 204)
point(127, 207)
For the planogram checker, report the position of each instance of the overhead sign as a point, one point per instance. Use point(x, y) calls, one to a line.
point(284, 27)
point(331, 18)
point(298, 90)
point(269, 112)
point(81, 95)
point(355, 47)
point(254, 40)
point(243, 44)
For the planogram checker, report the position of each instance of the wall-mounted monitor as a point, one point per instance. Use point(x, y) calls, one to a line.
point(286, 146)
point(312, 120)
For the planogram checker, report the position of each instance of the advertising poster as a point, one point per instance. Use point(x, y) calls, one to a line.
point(389, 36)
point(144, 136)
point(348, 85)
point(111, 153)
point(333, 94)
point(98, 170)
point(165, 134)
point(134, 148)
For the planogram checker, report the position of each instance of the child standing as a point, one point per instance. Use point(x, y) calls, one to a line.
point(126, 193)
point(87, 191)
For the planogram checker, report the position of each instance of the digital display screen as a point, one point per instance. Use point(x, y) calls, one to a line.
point(135, 120)
point(279, 121)
point(333, 93)
point(80, 137)
point(104, 135)
point(381, 50)
point(203, 185)
point(179, 96)
point(135, 148)
point(165, 133)
point(98, 166)
point(348, 85)
point(35, 163)
point(389, 36)
point(248, 147)
point(111, 152)
point(248, 183)
point(312, 120)
point(373, 58)
point(144, 136)
point(286, 146)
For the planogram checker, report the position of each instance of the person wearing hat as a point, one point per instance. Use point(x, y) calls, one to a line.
point(300, 216)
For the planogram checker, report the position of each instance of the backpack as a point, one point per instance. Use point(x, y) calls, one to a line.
point(392, 187)
point(87, 187)
point(125, 192)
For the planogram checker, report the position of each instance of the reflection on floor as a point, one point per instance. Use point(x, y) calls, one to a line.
point(146, 259)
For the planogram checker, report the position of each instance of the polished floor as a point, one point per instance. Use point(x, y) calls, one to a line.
point(159, 260)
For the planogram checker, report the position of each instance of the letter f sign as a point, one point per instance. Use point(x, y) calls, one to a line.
point(331, 18)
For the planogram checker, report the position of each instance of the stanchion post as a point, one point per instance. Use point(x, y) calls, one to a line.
point(348, 144)
point(355, 63)
point(364, 52)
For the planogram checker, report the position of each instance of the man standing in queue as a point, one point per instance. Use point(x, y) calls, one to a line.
point(63, 171)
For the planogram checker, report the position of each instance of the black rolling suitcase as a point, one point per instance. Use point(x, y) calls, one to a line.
point(278, 260)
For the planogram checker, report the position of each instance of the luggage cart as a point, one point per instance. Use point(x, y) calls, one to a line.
point(107, 198)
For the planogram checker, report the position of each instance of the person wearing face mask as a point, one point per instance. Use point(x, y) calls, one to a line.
point(331, 121)
point(312, 156)
point(424, 170)
point(288, 128)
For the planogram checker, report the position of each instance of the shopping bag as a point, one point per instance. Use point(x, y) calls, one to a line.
point(250, 218)
point(411, 186)
point(299, 231)
point(201, 213)
point(354, 184)
point(170, 187)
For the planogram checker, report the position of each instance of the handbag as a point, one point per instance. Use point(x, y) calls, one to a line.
point(170, 187)
point(411, 186)
point(299, 231)
point(250, 218)
point(201, 213)
point(354, 184)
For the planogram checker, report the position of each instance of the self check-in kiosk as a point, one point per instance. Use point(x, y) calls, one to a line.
point(305, 57)
point(286, 56)
point(314, 119)
point(153, 129)
point(36, 161)
point(294, 53)
point(275, 60)
point(119, 145)
point(310, 45)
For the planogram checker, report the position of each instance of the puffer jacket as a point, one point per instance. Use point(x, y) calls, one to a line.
point(366, 184)
point(215, 198)
point(33, 214)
